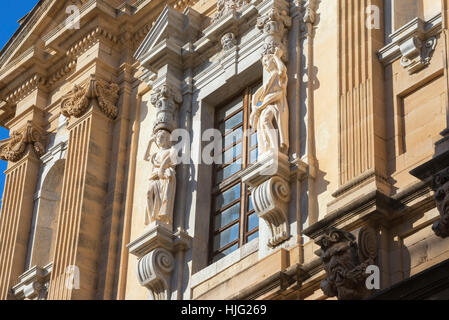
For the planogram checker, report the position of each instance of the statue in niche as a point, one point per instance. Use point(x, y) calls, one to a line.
point(270, 107)
point(162, 185)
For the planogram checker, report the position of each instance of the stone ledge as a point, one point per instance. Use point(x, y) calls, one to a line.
point(219, 266)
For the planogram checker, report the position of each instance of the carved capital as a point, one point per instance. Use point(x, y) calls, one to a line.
point(345, 263)
point(274, 24)
point(154, 271)
point(440, 183)
point(166, 99)
point(76, 102)
point(14, 148)
point(270, 200)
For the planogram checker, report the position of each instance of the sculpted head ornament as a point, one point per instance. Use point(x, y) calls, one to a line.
point(440, 184)
point(345, 273)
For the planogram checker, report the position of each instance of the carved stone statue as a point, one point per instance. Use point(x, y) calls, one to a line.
point(270, 107)
point(441, 187)
point(346, 274)
point(162, 185)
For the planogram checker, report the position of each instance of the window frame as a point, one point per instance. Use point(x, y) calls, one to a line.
point(233, 180)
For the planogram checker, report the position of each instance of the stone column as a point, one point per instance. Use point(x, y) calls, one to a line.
point(91, 108)
point(22, 151)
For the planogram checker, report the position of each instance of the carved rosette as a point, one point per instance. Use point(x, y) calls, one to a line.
point(154, 271)
point(227, 7)
point(440, 183)
point(166, 100)
point(274, 24)
point(270, 200)
point(345, 262)
point(14, 148)
point(76, 102)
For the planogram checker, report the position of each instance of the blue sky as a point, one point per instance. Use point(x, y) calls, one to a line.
point(10, 13)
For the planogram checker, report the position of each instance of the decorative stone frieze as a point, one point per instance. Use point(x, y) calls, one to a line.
point(227, 7)
point(345, 262)
point(413, 44)
point(25, 89)
point(76, 102)
point(274, 24)
point(14, 148)
point(33, 284)
point(89, 40)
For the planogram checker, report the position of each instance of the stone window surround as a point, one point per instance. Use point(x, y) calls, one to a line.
point(211, 75)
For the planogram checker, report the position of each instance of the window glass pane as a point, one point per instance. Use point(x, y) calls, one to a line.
point(253, 140)
point(227, 216)
point(226, 252)
point(226, 237)
point(231, 108)
point(253, 222)
point(227, 197)
point(232, 153)
point(233, 137)
point(253, 236)
point(253, 156)
point(229, 171)
point(231, 123)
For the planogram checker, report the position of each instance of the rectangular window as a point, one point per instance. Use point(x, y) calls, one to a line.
point(234, 221)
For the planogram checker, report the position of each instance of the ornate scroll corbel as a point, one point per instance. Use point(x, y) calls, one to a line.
point(154, 271)
point(270, 201)
point(14, 148)
point(76, 102)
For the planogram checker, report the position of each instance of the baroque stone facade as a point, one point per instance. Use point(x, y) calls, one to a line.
point(326, 122)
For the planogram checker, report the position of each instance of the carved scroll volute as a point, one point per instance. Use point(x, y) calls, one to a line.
point(440, 184)
point(345, 263)
point(270, 201)
point(76, 102)
point(15, 148)
point(154, 271)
